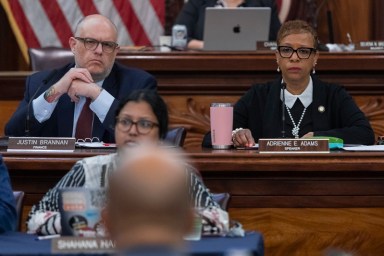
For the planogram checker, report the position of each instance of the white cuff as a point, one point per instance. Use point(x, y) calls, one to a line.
point(42, 109)
point(102, 104)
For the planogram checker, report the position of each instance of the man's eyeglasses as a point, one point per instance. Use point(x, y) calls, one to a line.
point(92, 44)
point(143, 126)
point(302, 52)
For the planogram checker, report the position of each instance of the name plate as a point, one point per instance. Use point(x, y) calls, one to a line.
point(370, 46)
point(80, 245)
point(266, 45)
point(293, 145)
point(33, 144)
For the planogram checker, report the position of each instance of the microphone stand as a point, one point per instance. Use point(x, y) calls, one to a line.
point(44, 82)
point(283, 86)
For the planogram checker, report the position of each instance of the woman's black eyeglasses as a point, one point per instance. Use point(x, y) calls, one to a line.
point(302, 52)
point(143, 126)
point(92, 44)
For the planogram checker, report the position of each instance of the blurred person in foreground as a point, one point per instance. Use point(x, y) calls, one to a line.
point(312, 107)
point(8, 215)
point(141, 118)
point(80, 99)
point(147, 214)
point(192, 15)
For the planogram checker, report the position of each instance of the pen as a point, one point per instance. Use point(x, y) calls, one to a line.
point(47, 237)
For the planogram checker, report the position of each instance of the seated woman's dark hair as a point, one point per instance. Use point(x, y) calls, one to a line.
point(157, 104)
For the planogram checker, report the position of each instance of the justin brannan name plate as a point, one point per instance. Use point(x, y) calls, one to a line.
point(41, 144)
point(293, 145)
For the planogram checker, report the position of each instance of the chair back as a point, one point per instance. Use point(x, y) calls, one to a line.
point(222, 199)
point(19, 198)
point(176, 136)
point(49, 57)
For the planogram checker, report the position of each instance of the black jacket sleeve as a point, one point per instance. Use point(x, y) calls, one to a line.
point(347, 121)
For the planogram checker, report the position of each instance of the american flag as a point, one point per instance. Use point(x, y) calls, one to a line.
point(40, 23)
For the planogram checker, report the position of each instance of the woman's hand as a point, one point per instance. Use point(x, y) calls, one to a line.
point(243, 138)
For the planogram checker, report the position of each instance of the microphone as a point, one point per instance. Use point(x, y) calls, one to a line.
point(44, 82)
point(283, 87)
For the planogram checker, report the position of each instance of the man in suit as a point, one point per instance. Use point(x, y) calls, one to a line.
point(79, 100)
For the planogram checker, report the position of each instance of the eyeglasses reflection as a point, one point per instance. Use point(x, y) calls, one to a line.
point(91, 44)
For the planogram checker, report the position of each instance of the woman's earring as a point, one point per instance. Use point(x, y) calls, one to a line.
point(313, 69)
point(278, 69)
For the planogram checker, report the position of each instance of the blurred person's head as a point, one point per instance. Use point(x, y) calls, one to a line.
point(297, 51)
point(148, 199)
point(94, 45)
point(141, 117)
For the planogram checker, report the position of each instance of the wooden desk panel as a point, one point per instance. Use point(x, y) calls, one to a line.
point(315, 231)
point(303, 204)
point(338, 179)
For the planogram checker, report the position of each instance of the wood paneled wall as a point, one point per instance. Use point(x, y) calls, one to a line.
point(349, 16)
point(378, 19)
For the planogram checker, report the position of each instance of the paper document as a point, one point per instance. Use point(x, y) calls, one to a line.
point(365, 148)
point(256, 146)
point(95, 145)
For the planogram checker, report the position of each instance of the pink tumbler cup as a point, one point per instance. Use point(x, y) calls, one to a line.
point(221, 125)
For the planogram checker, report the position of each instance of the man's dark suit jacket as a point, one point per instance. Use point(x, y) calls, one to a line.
point(119, 83)
point(260, 111)
point(193, 16)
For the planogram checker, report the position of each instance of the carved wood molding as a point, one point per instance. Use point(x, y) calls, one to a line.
point(195, 119)
point(193, 114)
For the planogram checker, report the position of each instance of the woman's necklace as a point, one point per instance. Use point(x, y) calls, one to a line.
point(296, 127)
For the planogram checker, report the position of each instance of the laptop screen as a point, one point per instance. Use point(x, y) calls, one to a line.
point(236, 29)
